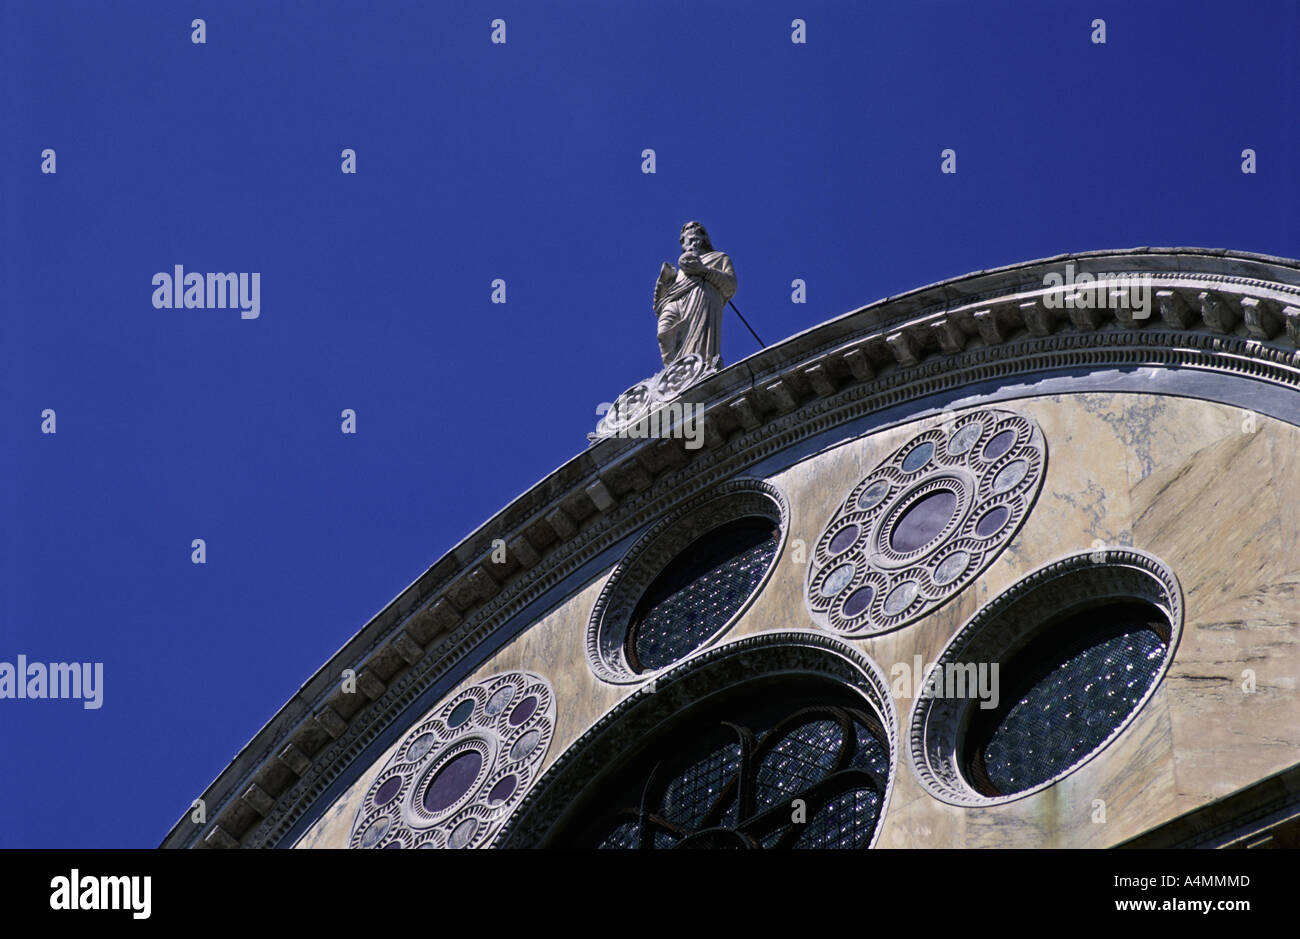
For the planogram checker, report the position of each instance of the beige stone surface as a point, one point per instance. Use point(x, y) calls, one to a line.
point(1188, 481)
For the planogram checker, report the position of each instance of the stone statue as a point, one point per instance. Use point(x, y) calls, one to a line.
point(689, 299)
point(688, 303)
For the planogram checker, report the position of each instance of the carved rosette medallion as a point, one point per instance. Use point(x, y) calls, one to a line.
point(461, 771)
point(635, 405)
point(627, 410)
point(925, 522)
point(679, 376)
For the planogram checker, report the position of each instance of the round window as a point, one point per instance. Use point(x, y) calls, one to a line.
point(686, 581)
point(1064, 694)
point(778, 740)
point(750, 775)
point(699, 592)
point(1045, 676)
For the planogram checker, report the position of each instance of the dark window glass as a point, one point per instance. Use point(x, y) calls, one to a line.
point(842, 822)
point(730, 780)
point(624, 835)
point(690, 794)
point(1064, 694)
point(699, 592)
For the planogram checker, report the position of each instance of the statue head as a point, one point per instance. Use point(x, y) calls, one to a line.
point(695, 237)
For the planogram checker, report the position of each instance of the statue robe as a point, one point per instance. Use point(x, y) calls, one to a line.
point(690, 310)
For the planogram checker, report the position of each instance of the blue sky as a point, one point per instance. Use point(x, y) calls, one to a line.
point(478, 161)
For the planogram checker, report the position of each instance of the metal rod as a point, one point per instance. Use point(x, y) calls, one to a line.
point(747, 326)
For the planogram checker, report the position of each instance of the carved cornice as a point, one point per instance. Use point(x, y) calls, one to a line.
point(1237, 314)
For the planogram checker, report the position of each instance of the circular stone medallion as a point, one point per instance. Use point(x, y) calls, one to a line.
point(927, 521)
point(462, 769)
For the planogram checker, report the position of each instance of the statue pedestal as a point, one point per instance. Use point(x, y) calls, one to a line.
point(652, 408)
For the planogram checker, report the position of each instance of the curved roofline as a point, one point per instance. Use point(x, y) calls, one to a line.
point(1250, 300)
